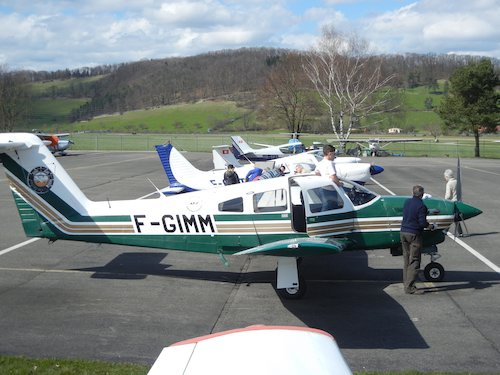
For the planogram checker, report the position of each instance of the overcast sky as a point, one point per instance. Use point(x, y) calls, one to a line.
point(59, 34)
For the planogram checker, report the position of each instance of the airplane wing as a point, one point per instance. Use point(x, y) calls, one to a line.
point(262, 144)
point(378, 140)
point(50, 134)
point(298, 247)
point(258, 349)
point(389, 140)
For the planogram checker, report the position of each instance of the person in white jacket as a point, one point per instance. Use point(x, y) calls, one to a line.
point(451, 194)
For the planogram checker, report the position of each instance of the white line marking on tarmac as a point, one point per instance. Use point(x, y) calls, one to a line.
point(382, 186)
point(2, 252)
point(477, 254)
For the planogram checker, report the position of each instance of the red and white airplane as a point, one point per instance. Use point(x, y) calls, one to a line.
point(56, 142)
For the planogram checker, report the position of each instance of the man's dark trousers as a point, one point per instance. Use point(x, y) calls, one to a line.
point(412, 247)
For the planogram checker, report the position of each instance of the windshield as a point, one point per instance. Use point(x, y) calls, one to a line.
point(357, 194)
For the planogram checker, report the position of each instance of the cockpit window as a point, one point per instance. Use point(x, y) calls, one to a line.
point(357, 194)
point(270, 201)
point(232, 205)
point(324, 198)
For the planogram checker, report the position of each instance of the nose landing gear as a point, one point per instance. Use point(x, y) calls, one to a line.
point(434, 271)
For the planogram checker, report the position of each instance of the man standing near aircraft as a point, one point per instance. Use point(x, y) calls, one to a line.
point(413, 224)
point(230, 176)
point(326, 167)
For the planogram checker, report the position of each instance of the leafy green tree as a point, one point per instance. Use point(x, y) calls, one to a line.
point(473, 102)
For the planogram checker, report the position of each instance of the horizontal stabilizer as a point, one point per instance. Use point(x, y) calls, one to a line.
point(297, 247)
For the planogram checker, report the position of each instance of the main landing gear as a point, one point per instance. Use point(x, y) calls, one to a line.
point(289, 283)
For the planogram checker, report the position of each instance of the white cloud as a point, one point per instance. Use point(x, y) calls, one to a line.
point(59, 34)
point(437, 26)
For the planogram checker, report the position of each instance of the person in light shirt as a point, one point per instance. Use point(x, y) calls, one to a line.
point(326, 167)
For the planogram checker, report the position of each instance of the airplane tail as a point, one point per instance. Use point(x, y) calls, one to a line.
point(222, 156)
point(170, 156)
point(43, 191)
point(240, 146)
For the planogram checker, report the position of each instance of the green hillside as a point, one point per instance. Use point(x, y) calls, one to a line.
point(51, 112)
point(200, 117)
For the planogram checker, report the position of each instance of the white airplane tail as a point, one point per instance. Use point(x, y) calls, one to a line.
point(240, 145)
point(222, 156)
point(43, 191)
point(184, 170)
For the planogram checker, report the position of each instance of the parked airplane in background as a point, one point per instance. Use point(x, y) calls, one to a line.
point(223, 155)
point(243, 150)
point(185, 177)
point(302, 350)
point(286, 217)
point(56, 142)
point(372, 147)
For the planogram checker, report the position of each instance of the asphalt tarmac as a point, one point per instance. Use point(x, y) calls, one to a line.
point(117, 303)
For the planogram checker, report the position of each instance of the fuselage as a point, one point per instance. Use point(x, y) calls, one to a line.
point(227, 219)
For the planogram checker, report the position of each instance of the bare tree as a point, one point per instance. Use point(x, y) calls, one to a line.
point(287, 95)
point(14, 99)
point(348, 79)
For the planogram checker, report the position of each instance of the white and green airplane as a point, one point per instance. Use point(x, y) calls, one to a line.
point(286, 217)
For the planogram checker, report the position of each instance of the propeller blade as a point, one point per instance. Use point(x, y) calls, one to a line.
point(459, 181)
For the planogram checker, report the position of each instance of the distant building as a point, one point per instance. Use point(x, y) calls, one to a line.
point(394, 130)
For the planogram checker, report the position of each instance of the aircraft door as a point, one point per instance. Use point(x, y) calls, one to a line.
point(328, 212)
point(298, 209)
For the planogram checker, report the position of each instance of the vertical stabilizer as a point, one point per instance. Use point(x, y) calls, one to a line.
point(184, 170)
point(240, 145)
point(222, 156)
point(42, 189)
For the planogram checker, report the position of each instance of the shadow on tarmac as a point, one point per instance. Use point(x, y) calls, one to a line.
point(345, 296)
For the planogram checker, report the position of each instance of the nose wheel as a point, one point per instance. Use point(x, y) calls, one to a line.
point(434, 272)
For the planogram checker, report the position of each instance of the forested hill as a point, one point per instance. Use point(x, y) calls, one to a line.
point(232, 74)
point(152, 83)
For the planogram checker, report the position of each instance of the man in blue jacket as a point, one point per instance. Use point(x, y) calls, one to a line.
point(413, 224)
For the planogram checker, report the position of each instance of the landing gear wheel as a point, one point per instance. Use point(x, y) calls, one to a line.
point(434, 272)
point(294, 293)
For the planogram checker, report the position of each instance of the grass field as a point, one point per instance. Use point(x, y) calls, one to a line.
point(446, 147)
point(22, 366)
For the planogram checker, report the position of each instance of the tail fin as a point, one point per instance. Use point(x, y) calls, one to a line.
point(222, 156)
point(240, 145)
point(170, 156)
point(43, 191)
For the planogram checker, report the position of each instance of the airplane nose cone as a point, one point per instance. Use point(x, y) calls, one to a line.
point(376, 169)
point(467, 210)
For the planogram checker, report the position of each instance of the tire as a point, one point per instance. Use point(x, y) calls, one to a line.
point(294, 293)
point(434, 272)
